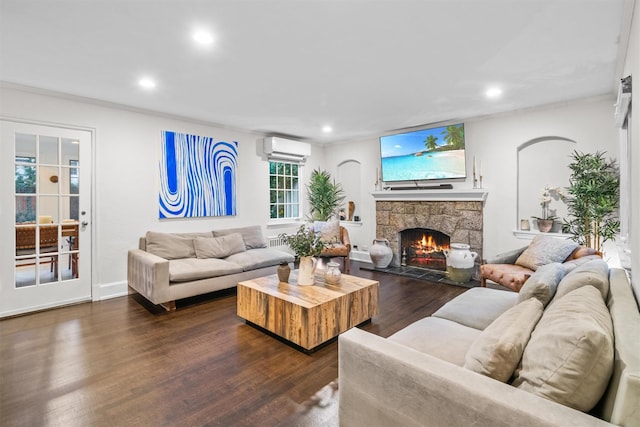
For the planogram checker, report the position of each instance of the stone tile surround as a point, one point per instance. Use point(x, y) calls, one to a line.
point(461, 220)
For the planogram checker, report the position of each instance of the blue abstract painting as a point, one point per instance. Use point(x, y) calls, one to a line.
point(197, 176)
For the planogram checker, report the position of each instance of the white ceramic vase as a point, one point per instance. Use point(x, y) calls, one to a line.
point(308, 266)
point(380, 253)
point(460, 262)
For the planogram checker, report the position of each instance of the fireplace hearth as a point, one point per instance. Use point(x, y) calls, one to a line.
point(423, 248)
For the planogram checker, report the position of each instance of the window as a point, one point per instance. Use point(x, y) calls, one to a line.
point(25, 184)
point(74, 187)
point(623, 115)
point(284, 191)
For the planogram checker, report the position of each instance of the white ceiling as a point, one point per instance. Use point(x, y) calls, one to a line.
point(291, 66)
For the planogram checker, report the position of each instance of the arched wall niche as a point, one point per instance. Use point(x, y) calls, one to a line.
point(350, 177)
point(542, 161)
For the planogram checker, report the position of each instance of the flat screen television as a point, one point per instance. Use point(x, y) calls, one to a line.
point(435, 153)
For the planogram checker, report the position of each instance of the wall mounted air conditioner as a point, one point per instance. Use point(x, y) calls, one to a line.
point(286, 149)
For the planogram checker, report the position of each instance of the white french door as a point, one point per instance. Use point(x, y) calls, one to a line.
point(45, 217)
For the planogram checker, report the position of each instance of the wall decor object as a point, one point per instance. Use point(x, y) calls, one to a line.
point(197, 176)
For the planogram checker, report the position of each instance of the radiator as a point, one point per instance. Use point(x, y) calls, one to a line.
point(276, 242)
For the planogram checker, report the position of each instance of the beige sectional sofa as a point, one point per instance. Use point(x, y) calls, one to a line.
point(171, 266)
point(565, 351)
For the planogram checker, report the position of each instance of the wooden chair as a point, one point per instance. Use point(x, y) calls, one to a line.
point(26, 243)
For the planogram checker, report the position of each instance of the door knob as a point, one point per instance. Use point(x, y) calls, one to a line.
point(84, 223)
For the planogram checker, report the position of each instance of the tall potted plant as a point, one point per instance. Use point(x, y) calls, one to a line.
point(324, 194)
point(594, 195)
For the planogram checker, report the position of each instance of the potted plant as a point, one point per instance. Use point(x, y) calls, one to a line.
point(306, 244)
point(594, 189)
point(545, 222)
point(324, 194)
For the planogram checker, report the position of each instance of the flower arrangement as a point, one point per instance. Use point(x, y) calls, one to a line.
point(305, 242)
point(549, 194)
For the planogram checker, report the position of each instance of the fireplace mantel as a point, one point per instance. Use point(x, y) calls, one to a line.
point(469, 194)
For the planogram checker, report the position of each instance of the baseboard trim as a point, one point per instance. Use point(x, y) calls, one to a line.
point(362, 256)
point(112, 290)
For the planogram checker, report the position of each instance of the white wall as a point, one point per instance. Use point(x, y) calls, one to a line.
point(127, 180)
point(126, 169)
point(495, 141)
point(632, 67)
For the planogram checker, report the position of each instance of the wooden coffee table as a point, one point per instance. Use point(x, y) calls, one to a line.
point(307, 316)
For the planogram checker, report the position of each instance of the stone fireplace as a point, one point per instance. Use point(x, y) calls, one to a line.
point(450, 216)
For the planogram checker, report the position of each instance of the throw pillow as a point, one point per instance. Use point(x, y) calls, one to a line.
point(545, 250)
point(581, 251)
point(569, 358)
point(542, 284)
point(594, 273)
point(252, 236)
point(497, 351)
point(219, 247)
point(329, 231)
point(170, 246)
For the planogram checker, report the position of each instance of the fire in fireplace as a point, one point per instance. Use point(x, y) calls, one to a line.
point(423, 247)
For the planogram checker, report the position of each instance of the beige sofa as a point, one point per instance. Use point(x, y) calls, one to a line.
point(172, 266)
point(429, 374)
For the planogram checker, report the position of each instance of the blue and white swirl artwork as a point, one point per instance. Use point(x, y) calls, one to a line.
point(197, 176)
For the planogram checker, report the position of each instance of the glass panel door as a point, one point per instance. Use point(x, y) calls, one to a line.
point(50, 166)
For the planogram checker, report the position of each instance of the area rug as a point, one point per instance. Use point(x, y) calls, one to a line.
point(321, 410)
point(420, 274)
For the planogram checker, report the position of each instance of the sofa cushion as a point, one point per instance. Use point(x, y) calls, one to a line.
point(187, 269)
point(329, 231)
point(545, 250)
point(498, 350)
point(569, 358)
point(594, 273)
point(252, 235)
point(335, 249)
point(438, 337)
point(509, 275)
point(477, 307)
point(259, 258)
point(170, 246)
point(580, 252)
point(219, 247)
point(543, 283)
point(571, 265)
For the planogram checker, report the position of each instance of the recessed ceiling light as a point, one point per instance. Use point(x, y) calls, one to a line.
point(147, 83)
point(327, 129)
point(493, 92)
point(203, 37)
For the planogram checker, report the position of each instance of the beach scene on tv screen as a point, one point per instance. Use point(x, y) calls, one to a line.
point(435, 153)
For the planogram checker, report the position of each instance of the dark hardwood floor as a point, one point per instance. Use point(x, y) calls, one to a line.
point(116, 363)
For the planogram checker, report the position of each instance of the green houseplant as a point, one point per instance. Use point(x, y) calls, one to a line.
point(304, 242)
point(307, 245)
point(324, 194)
point(594, 195)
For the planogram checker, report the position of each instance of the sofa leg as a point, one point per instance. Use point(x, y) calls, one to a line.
point(347, 265)
point(169, 305)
